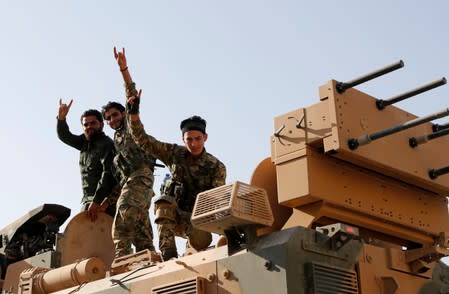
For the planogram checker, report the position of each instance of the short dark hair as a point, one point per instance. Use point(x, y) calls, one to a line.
point(92, 112)
point(110, 105)
point(192, 123)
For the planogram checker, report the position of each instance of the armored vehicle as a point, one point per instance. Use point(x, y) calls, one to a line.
point(351, 200)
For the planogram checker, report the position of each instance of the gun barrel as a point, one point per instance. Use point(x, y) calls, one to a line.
point(342, 86)
point(365, 139)
point(435, 173)
point(381, 104)
point(415, 141)
point(437, 127)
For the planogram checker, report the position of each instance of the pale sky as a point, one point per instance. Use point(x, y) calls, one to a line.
point(238, 64)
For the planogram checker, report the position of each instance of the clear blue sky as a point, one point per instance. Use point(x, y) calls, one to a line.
point(236, 63)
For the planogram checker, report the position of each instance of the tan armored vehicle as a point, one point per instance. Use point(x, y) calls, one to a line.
point(352, 200)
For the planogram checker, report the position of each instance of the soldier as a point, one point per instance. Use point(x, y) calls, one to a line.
point(135, 171)
point(192, 169)
point(96, 155)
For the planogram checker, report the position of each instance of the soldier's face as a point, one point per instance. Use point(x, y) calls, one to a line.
point(114, 118)
point(91, 126)
point(194, 142)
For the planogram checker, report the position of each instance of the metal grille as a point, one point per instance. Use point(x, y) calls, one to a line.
point(193, 286)
point(324, 279)
point(230, 206)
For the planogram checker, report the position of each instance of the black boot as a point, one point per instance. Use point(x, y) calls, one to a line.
point(169, 254)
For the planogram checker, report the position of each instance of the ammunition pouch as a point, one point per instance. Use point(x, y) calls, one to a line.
point(165, 198)
point(121, 169)
point(176, 191)
point(164, 209)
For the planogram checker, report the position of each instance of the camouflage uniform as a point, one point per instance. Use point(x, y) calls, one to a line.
point(134, 168)
point(95, 164)
point(188, 178)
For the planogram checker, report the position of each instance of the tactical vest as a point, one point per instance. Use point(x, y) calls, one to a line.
point(129, 157)
point(184, 185)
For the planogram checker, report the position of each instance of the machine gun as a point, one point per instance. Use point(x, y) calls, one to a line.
point(355, 159)
point(33, 245)
point(33, 233)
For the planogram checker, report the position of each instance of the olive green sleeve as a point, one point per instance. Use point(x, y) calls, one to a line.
point(220, 176)
point(149, 144)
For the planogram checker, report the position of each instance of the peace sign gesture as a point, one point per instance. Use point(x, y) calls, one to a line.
point(64, 109)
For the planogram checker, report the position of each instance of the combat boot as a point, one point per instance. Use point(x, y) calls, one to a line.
point(169, 254)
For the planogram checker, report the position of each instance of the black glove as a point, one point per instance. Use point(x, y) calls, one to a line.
point(133, 108)
point(132, 91)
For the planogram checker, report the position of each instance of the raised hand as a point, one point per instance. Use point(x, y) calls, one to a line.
point(121, 59)
point(133, 102)
point(64, 109)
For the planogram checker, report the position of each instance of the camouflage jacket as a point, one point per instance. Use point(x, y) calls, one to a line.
point(130, 160)
point(95, 161)
point(188, 176)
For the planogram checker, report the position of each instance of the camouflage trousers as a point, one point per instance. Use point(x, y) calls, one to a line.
point(132, 220)
point(182, 227)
